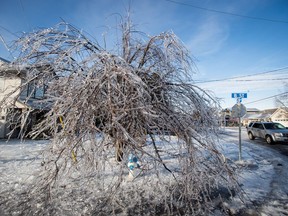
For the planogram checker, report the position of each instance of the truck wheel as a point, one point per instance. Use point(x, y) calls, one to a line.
point(269, 139)
point(250, 135)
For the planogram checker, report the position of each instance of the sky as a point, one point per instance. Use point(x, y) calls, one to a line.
point(237, 46)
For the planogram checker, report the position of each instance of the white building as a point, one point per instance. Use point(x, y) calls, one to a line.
point(274, 115)
point(15, 99)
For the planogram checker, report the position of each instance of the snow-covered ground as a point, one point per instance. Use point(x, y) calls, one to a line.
point(262, 172)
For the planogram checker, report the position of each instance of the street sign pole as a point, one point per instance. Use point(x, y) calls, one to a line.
point(239, 110)
point(240, 144)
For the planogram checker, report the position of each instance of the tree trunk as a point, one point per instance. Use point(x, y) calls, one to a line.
point(119, 150)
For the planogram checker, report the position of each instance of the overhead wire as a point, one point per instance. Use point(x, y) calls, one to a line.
point(227, 13)
point(7, 30)
point(24, 14)
point(238, 78)
point(4, 42)
point(274, 96)
point(260, 80)
point(244, 76)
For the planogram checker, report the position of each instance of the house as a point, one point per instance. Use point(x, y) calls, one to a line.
point(228, 120)
point(281, 116)
point(252, 114)
point(275, 115)
point(16, 101)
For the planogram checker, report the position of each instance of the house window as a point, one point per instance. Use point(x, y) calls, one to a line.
point(36, 92)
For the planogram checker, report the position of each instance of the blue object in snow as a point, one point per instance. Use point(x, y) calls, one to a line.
point(132, 162)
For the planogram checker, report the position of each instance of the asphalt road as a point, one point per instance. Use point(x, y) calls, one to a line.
point(282, 148)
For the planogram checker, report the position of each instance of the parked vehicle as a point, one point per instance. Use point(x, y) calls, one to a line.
point(270, 131)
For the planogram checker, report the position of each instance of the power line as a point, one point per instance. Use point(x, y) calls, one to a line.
point(244, 76)
point(24, 14)
point(5, 29)
point(228, 13)
point(274, 96)
point(260, 80)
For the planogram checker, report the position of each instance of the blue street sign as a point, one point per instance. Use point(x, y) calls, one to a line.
point(239, 95)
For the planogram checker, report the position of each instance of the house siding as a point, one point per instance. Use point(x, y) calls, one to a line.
point(17, 101)
point(281, 116)
point(7, 86)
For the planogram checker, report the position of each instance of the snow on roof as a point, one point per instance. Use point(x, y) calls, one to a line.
point(8, 71)
point(2, 60)
point(3, 63)
point(269, 111)
point(256, 116)
point(252, 110)
point(264, 114)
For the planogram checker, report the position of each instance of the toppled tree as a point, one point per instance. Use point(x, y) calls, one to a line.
point(141, 102)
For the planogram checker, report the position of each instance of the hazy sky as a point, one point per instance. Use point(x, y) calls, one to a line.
point(226, 38)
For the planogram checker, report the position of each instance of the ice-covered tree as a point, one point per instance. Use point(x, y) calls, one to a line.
point(282, 100)
point(141, 101)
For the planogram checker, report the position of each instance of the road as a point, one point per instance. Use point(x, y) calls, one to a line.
point(275, 201)
point(282, 148)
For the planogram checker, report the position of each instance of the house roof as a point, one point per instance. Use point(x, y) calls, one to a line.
point(264, 114)
point(3, 63)
point(4, 60)
point(256, 116)
point(252, 110)
point(270, 111)
point(281, 111)
point(11, 72)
